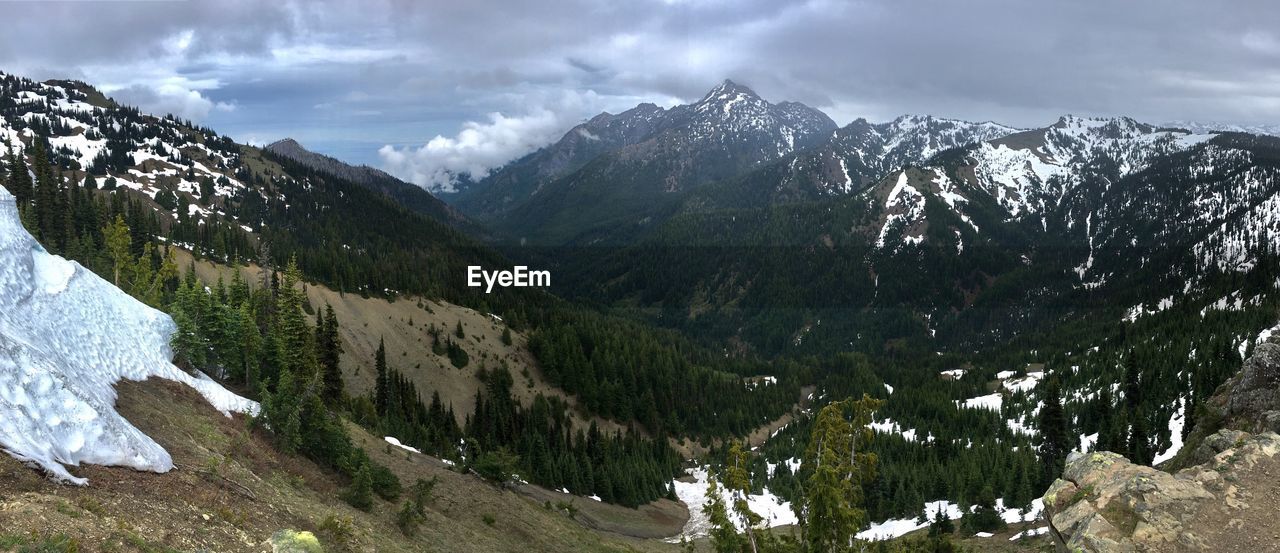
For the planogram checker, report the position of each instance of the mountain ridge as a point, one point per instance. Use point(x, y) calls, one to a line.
point(411, 196)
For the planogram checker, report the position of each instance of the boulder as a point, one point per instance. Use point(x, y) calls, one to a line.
point(1256, 389)
point(1105, 503)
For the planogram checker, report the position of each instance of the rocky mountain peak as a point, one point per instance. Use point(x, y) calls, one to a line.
point(728, 89)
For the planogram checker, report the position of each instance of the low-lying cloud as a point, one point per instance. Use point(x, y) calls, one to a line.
point(171, 99)
point(481, 146)
point(477, 149)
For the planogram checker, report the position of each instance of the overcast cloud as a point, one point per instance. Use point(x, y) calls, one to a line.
point(431, 88)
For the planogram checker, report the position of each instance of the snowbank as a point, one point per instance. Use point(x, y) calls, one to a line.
point(894, 528)
point(772, 509)
point(66, 337)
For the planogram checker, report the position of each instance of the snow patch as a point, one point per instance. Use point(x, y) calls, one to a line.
point(396, 442)
point(66, 338)
point(772, 509)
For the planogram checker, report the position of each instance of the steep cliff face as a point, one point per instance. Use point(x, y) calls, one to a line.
point(1223, 496)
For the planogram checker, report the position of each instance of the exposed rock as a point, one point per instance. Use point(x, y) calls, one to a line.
point(1105, 503)
point(1216, 443)
point(1256, 389)
point(1115, 505)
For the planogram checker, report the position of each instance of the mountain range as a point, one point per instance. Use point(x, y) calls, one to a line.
point(722, 270)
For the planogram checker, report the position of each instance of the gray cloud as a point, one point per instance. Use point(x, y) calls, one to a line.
point(355, 77)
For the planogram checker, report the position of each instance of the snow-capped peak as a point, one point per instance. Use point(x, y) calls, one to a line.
point(728, 89)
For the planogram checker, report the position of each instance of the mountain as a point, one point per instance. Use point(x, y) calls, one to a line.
point(144, 198)
point(193, 187)
point(1030, 175)
point(1207, 128)
point(619, 171)
point(410, 196)
point(952, 273)
point(66, 338)
point(854, 157)
point(1053, 212)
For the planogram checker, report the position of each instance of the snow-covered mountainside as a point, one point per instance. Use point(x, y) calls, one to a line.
point(194, 173)
point(1028, 175)
point(66, 337)
point(1196, 127)
point(849, 160)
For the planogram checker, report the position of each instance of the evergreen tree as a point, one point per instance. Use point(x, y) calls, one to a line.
point(839, 463)
point(19, 181)
point(381, 387)
point(1055, 443)
point(724, 535)
point(1140, 449)
point(330, 347)
point(737, 479)
point(360, 494)
point(118, 245)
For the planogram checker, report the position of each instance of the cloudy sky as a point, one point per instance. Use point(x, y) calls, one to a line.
point(422, 87)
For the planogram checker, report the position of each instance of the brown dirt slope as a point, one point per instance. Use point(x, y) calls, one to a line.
point(404, 325)
point(231, 491)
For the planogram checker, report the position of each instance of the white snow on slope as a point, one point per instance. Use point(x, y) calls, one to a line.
point(772, 509)
point(1176, 423)
point(396, 442)
point(66, 338)
point(894, 528)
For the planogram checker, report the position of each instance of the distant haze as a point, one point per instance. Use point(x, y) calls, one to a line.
point(433, 88)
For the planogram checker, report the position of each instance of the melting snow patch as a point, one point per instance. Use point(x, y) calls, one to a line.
point(1176, 423)
point(66, 338)
point(989, 401)
point(1024, 384)
point(1030, 533)
point(772, 510)
point(396, 442)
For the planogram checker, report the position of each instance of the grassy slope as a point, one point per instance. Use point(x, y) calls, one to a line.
point(364, 321)
point(232, 491)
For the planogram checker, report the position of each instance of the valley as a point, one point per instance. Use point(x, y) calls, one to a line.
point(966, 308)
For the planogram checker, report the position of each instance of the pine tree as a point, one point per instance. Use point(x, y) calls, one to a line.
point(19, 181)
point(250, 345)
point(839, 464)
point(1054, 441)
point(724, 536)
point(1139, 448)
point(381, 386)
point(297, 351)
point(360, 494)
point(737, 479)
point(118, 243)
point(330, 353)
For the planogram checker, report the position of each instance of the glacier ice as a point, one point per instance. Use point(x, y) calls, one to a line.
point(66, 337)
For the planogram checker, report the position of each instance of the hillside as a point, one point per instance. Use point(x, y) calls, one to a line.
point(202, 190)
point(232, 491)
point(613, 173)
point(412, 197)
point(1219, 494)
point(402, 325)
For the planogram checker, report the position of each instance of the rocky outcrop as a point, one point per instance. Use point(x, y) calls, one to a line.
point(1105, 503)
point(1224, 500)
point(1253, 395)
